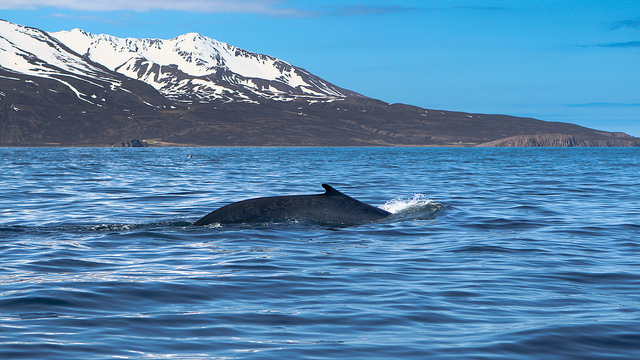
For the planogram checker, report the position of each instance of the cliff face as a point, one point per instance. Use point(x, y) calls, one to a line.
point(565, 140)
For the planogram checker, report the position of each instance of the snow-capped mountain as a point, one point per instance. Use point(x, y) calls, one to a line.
point(194, 67)
point(75, 88)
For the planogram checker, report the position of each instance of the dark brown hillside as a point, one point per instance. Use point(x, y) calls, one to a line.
point(351, 122)
point(36, 111)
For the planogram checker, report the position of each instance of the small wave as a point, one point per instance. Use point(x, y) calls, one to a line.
point(20, 230)
point(418, 206)
point(137, 226)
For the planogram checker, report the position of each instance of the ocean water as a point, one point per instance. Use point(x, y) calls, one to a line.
point(498, 254)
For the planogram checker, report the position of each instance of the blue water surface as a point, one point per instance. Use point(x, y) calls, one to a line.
point(535, 255)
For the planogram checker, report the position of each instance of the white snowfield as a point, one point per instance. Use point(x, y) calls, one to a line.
point(196, 66)
point(192, 53)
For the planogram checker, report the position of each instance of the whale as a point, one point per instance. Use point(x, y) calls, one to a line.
point(330, 208)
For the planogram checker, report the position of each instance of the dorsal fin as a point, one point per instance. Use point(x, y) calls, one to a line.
point(330, 190)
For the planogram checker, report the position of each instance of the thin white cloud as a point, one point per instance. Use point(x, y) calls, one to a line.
point(361, 9)
point(364, 9)
point(626, 44)
point(277, 8)
point(266, 7)
point(121, 21)
point(606, 105)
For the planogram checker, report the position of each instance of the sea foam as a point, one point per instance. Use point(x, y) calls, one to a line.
point(419, 203)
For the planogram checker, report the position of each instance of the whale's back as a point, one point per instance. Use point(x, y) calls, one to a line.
point(332, 207)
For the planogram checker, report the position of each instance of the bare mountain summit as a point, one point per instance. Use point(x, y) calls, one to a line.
point(76, 88)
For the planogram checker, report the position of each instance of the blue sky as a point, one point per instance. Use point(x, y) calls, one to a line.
point(570, 61)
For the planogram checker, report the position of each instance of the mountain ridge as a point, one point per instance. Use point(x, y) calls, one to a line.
point(203, 68)
point(196, 91)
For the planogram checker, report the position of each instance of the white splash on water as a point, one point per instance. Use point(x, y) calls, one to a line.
point(419, 203)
